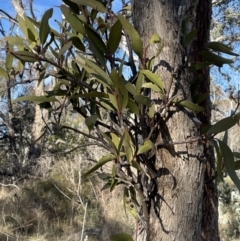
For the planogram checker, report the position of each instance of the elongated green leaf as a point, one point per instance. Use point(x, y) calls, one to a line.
point(73, 6)
point(95, 70)
point(77, 43)
point(219, 159)
point(155, 39)
point(90, 121)
point(189, 37)
point(191, 106)
point(147, 146)
point(115, 36)
point(139, 82)
point(131, 88)
point(34, 98)
point(136, 44)
point(65, 47)
point(3, 73)
point(32, 32)
point(109, 140)
point(236, 154)
point(144, 100)
point(154, 78)
point(25, 56)
point(151, 111)
point(221, 48)
point(22, 25)
point(122, 91)
point(196, 66)
point(14, 40)
point(91, 94)
point(225, 137)
point(101, 162)
point(74, 21)
point(96, 39)
point(44, 29)
point(152, 86)
point(114, 101)
point(91, 3)
point(132, 106)
point(128, 146)
point(121, 237)
point(229, 163)
point(237, 165)
point(115, 140)
point(222, 125)
point(198, 98)
point(216, 59)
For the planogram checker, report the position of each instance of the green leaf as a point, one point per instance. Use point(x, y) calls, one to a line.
point(189, 105)
point(144, 100)
point(198, 98)
point(121, 237)
point(32, 32)
point(94, 69)
point(225, 137)
point(14, 40)
point(132, 106)
point(65, 47)
point(219, 159)
point(139, 82)
point(229, 163)
point(237, 165)
point(155, 39)
point(74, 21)
point(73, 6)
point(96, 39)
point(3, 73)
point(136, 41)
point(197, 66)
point(131, 88)
point(147, 146)
point(115, 36)
point(25, 56)
point(151, 111)
point(77, 43)
point(115, 140)
point(91, 3)
point(107, 138)
point(152, 86)
point(101, 162)
point(154, 78)
point(34, 98)
point(236, 154)
point(221, 48)
point(90, 121)
point(216, 59)
point(222, 125)
point(90, 95)
point(113, 99)
point(128, 146)
point(189, 37)
point(44, 29)
point(122, 95)
point(22, 25)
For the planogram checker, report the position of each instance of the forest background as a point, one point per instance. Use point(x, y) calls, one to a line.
point(48, 199)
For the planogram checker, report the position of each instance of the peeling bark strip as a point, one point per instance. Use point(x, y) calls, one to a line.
point(181, 206)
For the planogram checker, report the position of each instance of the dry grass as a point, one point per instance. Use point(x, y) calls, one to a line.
point(51, 207)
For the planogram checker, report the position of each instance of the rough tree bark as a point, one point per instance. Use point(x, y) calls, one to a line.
point(184, 207)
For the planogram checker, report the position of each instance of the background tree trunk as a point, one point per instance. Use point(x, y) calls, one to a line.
point(183, 207)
